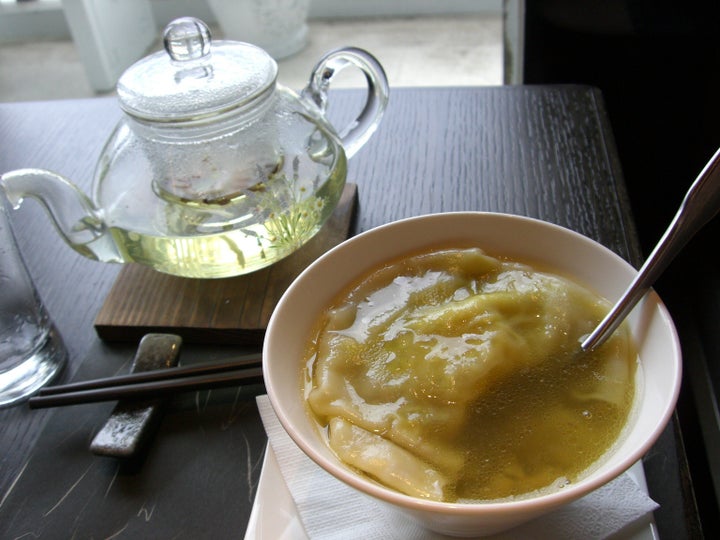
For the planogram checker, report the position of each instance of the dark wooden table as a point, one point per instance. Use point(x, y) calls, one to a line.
point(545, 152)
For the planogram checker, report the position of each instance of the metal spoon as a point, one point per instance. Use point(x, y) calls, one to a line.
point(699, 206)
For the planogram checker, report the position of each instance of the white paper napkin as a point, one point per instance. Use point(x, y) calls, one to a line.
point(330, 510)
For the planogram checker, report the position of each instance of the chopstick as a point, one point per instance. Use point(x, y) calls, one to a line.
point(251, 360)
point(245, 370)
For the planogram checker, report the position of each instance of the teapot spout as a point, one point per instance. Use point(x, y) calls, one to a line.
point(74, 215)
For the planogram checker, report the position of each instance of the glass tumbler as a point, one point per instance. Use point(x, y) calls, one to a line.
point(31, 350)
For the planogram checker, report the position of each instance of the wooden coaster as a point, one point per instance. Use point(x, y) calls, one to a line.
point(222, 311)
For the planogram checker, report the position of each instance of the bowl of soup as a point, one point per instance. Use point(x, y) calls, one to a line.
point(434, 364)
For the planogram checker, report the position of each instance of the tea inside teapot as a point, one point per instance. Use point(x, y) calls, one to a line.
point(201, 209)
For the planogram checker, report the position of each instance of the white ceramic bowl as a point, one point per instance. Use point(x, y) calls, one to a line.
point(587, 261)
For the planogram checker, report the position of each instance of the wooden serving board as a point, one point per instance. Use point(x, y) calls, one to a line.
point(223, 311)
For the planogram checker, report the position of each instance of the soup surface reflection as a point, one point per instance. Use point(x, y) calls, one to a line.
point(452, 375)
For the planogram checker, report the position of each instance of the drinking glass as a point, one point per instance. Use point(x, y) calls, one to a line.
point(32, 352)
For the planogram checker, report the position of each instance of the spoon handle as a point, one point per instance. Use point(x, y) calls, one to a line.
point(699, 206)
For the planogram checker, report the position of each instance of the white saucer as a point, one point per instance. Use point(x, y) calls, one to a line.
point(274, 515)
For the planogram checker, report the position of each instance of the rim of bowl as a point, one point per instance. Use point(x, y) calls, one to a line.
point(549, 500)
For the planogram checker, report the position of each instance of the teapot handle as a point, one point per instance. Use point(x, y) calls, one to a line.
point(357, 133)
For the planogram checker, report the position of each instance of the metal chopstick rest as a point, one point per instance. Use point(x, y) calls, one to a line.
point(133, 422)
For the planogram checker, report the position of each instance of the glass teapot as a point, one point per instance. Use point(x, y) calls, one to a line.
point(215, 169)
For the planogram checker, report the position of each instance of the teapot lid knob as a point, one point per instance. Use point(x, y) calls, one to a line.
point(187, 39)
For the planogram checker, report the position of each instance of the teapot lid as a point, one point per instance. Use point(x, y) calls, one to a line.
point(189, 81)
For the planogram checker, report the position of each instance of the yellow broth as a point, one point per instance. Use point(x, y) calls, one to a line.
point(452, 375)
